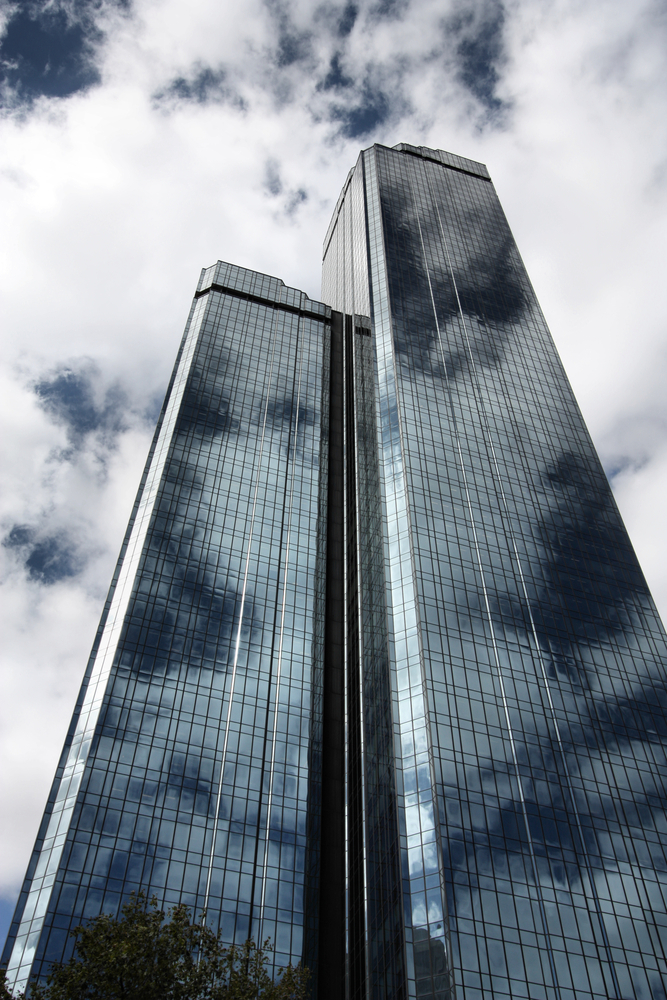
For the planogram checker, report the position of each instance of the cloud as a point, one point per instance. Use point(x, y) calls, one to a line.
point(335, 78)
point(47, 560)
point(50, 536)
point(295, 199)
point(273, 184)
point(373, 110)
point(43, 55)
point(479, 51)
point(69, 398)
point(292, 41)
point(348, 19)
point(204, 85)
point(49, 49)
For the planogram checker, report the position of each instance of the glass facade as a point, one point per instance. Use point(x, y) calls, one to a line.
point(526, 658)
point(186, 769)
point(379, 676)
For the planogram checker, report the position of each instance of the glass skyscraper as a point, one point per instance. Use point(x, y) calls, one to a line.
point(379, 676)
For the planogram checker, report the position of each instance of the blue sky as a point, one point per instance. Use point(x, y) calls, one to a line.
point(140, 141)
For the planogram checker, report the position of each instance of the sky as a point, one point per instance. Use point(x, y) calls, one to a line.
point(143, 140)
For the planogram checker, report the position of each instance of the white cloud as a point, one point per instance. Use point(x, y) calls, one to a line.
point(114, 200)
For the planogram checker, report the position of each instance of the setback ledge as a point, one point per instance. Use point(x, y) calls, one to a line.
point(447, 166)
point(260, 300)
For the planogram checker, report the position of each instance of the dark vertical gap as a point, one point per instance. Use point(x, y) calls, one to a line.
point(355, 805)
point(331, 944)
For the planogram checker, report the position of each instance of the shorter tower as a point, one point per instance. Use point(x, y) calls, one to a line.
point(192, 768)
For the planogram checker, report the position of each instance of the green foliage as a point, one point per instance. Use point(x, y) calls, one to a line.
point(147, 955)
point(4, 990)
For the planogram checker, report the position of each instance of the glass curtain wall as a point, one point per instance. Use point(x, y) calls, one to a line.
point(187, 769)
point(525, 656)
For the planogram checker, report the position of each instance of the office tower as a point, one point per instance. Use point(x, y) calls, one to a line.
point(379, 675)
point(525, 655)
point(194, 719)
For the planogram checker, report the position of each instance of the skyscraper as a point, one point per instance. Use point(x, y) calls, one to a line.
point(379, 675)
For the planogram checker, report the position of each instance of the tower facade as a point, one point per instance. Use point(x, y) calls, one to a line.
point(379, 676)
point(187, 768)
point(524, 652)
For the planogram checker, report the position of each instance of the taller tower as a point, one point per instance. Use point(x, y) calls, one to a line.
point(379, 676)
point(524, 655)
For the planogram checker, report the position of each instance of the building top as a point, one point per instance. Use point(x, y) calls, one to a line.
point(451, 160)
point(447, 159)
point(260, 287)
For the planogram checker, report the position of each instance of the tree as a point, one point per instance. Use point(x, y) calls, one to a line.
point(4, 991)
point(150, 955)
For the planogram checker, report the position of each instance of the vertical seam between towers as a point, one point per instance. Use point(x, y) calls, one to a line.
point(260, 453)
point(269, 803)
point(554, 720)
point(346, 659)
point(360, 643)
point(331, 905)
point(349, 311)
point(487, 606)
point(349, 829)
